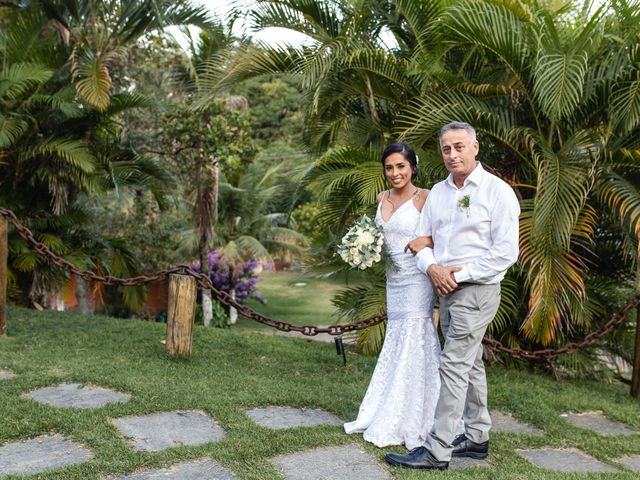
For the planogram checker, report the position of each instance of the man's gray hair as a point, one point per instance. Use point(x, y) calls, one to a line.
point(458, 126)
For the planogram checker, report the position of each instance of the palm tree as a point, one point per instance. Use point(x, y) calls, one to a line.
point(556, 96)
point(356, 85)
point(348, 75)
point(252, 223)
point(98, 34)
point(212, 134)
point(553, 93)
point(53, 148)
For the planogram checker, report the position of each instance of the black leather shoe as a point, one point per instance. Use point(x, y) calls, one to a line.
point(463, 447)
point(417, 458)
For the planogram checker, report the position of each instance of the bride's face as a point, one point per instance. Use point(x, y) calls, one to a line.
point(398, 171)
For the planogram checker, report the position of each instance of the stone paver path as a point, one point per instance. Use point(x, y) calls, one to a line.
point(151, 433)
point(462, 463)
point(77, 396)
point(40, 454)
point(632, 462)
point(195, 470)
point(565, 460)
point(598, 423)
point(332, 463)
point(502, 422)
point(287, 417)
point(6, 374)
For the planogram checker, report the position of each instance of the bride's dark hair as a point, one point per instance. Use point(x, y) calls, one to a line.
point(407, 152)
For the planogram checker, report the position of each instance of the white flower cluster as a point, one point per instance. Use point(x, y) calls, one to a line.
point(361, 247)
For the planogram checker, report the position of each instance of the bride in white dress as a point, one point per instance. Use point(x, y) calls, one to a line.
point(399, 405)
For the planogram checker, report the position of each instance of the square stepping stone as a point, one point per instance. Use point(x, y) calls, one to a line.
point(155, 432)
point(505, 423)
point(331, 463)
point(40, 454)
point(203, 469)
point(632, 462)
point(75, 395)
point(462, 463)
point(597, 422)
point(565, 461)
point(6, 374)
point(287, 417)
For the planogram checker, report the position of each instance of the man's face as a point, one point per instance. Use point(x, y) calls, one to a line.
point(459, 153)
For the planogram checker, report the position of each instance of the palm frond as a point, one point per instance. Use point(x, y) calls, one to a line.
point(421, 19)
point(73, 152)
point(559, 79)
point(317, 19)
point(361, 302)
point(625, 106)
point(621, 196)
point(18, 78)
point(90, 72)
point(497, 28)
point(11, 129)
point(246, 246)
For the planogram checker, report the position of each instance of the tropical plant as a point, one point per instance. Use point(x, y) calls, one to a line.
point(253, 218)
point(99, 33)
point(558, 104)
point(552, 89)
point(205, 142)
point(54, 146)
point(348, 78)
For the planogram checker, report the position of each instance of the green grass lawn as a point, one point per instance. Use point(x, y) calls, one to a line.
point(295, 297)
point(234, 369)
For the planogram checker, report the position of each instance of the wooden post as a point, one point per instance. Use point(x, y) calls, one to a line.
point(4, 253)
point(181, 313)
point(635, 377)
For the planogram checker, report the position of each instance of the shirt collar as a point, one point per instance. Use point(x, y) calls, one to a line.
point(474, 177)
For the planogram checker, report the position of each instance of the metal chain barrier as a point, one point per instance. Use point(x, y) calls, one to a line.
point(202, 280)
point(549, 354)
point(204, 283)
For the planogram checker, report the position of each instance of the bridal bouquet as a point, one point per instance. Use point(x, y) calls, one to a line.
point(362, 246)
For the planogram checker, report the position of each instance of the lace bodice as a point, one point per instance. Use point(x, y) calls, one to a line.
point(409, 291)
point(401, 227)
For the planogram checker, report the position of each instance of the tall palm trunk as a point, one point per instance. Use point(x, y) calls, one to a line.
point(207, 206)
point(82, 295)
point(233, 313)
point(205, 264)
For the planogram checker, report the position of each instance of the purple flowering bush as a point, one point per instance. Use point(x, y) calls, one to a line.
point(241, 277)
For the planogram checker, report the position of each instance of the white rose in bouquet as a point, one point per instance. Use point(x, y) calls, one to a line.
point(363, 245)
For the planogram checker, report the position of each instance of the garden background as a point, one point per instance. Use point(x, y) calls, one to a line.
point(125, 152)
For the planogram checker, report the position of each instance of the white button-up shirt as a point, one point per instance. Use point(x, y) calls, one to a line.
point(481, 238)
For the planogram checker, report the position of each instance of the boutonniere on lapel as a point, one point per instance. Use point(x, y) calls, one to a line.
point(465, 202)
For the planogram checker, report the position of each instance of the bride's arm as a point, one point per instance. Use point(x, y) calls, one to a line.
point(417, 244)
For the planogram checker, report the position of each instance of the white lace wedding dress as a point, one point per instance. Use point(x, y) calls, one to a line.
point(399, 405)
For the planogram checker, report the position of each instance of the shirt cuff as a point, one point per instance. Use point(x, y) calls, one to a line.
point(463, 275)
point(425, 259)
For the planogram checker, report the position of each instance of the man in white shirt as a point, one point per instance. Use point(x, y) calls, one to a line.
point(472, 217)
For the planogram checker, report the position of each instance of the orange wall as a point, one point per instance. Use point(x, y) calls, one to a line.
point(156, 298)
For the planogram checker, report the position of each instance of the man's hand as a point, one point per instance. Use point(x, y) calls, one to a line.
point(417, 244)
point(442, 278)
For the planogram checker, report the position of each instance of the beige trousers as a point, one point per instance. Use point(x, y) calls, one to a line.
point(465, 315)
